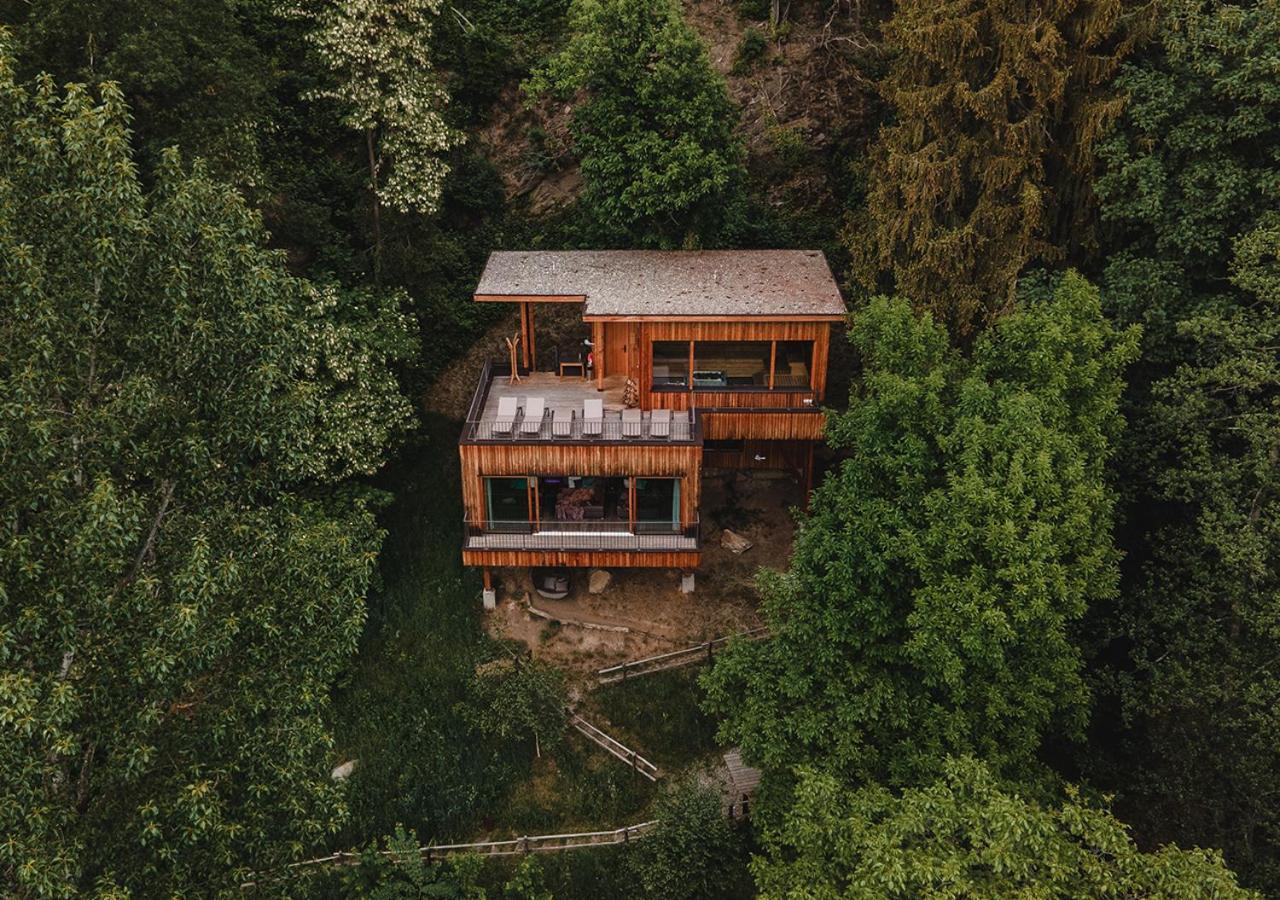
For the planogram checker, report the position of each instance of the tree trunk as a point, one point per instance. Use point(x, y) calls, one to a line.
point(377, 207)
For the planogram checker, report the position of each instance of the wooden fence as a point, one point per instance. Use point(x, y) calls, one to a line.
point(703, 652)
point(615, 747)
point(540, 843)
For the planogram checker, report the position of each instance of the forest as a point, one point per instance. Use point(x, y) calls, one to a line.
point(1027, 642)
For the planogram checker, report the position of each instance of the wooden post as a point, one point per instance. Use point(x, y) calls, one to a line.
point(488, 579)
point(689, 379)
point(533, 340)
point(524, 331)
point(512, 343)
point(631, 504)
point(597, 352)
point(773, 361)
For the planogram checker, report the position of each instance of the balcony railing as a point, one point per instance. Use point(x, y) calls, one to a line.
point(596, 534)
point(611, 427)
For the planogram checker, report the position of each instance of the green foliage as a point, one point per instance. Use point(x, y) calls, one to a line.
point(1186, 659)
point(401, 714)
point(384, 82)
point(528, 882)
point(517, 697)
point(984, 167)
point(661, 161)
point(751, 51)
point(397, 871)
point(1200, 692)
point(1193, 162)
point(188, 69)
point(662, 713)
point(968, 836)
point(692, 853)
point(934, 585)
point(182, 582)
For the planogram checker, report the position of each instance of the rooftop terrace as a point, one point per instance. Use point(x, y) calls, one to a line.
point(563, 417)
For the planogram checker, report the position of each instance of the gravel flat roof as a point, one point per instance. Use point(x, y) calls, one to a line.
point(677, 283)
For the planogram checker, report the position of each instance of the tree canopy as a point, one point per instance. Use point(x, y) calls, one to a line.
point(983, 167)
point(967, 835)
point(655, 131)
point(929, 604)
point(182, 579)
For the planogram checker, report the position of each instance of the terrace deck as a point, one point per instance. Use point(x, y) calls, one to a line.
point(567, 395)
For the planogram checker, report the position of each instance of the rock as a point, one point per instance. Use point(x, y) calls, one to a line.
point(598, 581)
point(734, 542)
point(343, 771)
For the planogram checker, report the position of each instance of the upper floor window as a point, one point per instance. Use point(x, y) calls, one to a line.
point(670, 364)
point(732, 365)
point(791, 364)
point(726, 365)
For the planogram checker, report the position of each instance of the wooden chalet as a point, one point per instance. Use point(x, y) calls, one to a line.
point(726, 352)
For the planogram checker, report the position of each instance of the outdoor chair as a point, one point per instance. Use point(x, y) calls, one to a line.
point(680, 425)
point(506, 418)
point(561, 422)
point(534, 407)
point(660, 423)
point(632, 424)
point(592, 417)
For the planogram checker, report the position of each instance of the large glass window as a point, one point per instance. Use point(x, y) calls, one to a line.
point(508, 502)
point(791, 365)
point(731, 364)
point(670, 364)
point(657, 503)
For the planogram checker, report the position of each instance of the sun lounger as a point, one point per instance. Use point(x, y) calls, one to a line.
point(631, 423)
point(660, 423)
point(506, 418)
point(592, 417)
point(534, 407)
point(561, 423)
point(680, 429)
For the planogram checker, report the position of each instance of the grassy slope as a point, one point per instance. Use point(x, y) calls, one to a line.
point(418, 763)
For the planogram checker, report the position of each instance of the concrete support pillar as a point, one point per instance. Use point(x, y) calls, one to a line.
point(489, 596)
point(686, 582)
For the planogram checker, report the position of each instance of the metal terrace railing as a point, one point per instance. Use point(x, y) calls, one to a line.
point(583, 535)
point(611, 427)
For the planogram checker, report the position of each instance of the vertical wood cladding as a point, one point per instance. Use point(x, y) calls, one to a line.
point(611, 559)
point(629, 350)
point(683, 461)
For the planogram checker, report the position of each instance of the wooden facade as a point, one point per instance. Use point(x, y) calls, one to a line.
point(682, 461)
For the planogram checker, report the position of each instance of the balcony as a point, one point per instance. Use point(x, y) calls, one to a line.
point(582, 536)
point(563, 418)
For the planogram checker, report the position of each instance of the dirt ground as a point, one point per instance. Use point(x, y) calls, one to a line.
point(648, 602)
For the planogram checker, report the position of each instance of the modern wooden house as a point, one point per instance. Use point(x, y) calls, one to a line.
point(726, 353)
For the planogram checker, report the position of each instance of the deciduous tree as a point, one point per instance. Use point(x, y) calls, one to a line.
point(933, 587)
point(180, 577)
point(655, 129)
point(967, 835)
point(385, 84)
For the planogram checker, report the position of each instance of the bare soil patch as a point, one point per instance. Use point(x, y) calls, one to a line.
point(648, 602)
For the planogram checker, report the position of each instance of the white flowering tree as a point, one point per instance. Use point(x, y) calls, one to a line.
point(385, 83)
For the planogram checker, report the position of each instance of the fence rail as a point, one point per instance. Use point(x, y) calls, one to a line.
point(615, 747)
point(673, 660)
point(539, 843)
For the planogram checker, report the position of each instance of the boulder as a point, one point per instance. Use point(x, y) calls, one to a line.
point(598, 581)
point(343, 771)
point(734, 542)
